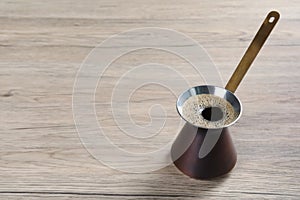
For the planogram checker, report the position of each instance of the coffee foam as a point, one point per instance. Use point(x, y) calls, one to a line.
point(193, 107)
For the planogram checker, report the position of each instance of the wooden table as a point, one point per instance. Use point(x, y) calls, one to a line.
point(42, 46)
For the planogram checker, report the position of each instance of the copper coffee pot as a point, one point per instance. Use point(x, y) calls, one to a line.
point(201, 152)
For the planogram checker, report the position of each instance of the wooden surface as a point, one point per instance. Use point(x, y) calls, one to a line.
point(42, 45)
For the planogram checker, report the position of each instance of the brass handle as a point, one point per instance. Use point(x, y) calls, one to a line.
point(252, 51)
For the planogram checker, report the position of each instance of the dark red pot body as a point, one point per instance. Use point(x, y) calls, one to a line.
point(219, 161)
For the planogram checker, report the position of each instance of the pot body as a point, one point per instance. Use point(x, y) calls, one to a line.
point(186, 156)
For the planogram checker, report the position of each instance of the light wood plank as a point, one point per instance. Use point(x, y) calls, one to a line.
point(42, 45)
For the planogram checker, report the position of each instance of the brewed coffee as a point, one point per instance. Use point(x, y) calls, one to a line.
point(207, 110)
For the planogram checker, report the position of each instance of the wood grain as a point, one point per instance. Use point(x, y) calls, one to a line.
point(42, 46)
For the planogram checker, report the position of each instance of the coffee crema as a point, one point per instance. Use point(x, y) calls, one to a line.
point(195, 110)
